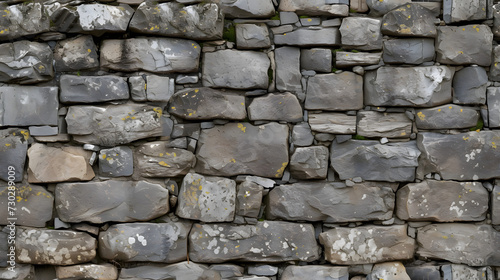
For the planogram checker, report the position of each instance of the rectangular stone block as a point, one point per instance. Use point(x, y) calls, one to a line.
point(35, 202)
point(348, 59)
point(305, 37)
point(13, 148)
point(288, 77)
point(335, 92)
point(390, 125)
point(495, 205)
point(493, 100)
point(89, 89)
point(467, 44)
point(447, 117)
point(316, 7)
point(334, 123)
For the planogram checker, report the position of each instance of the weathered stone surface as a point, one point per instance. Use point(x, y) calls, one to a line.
point(372, 161)
point(13, 148)
point(267, 241)
point(348, 59)
point(79, 53)
point(309, 163)
point(423, 272)
point(181, 271)
point(54, 247)
point(28, 105)
point(470, 244)
point(495, 205)
point(252, 36)
point(90, 89)
point(155, 159)
point(208, 199)
point(159, 55)
point(411, 20)
point(116, 162)
point(461, 157)
point(340, 92)
point(288, 77)
point(159, 89)
point(206, 103)
point(301, 135)
point(324, 202)
point(118, 201)
point(390, 125)
point(228, 270)
point(241, 148)
point(151, 242)
point(442, 201)
point(379, 8)
point(316, 59)
point(138, 87)
point(247, 8)
point(361, 33)
point(21, 272)
point(86, 271)
point(447, 117)
point(25, 62)
point(308, 37)
point(416, 86)
point(389, 271)
point(33, 203)
point(314, 8)
point(367, 244)
point(318, 272)
point(454, 45)
point(50, 164)
point(249, 199)
point(200, 22)
point(335, 123)
point(469, 86)
point(459, 272)
point(493, 99)
point(494, 74)
point(408, 51)
point(236, 69)
point(99, 18)
point(23, 19)
point(275, 107)
point(464, 10)
point(113, 124)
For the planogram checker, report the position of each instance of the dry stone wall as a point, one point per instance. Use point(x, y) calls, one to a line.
point(250, 139)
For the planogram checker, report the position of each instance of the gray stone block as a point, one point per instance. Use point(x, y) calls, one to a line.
point(495, 205)
point(447, 117)
point(34, 205)
point(361, 33)
point(183, 270)
point(85, 271)
point(247, 8)
point(155, 159)
point(334, 123)
point(338, 92)
point(288, 18)
point(22, 20)
point(90, 89)
point(159, 88)
point(137, 87)
point(469, 86)
point(390, 125)
point(13, 148)
point(315, 7)
point(79, 53)
point(493, 100)
point(424, 272)
point(305, 37)
point(316, 59)
point(275, 107)
point(116, 162)
point(97, 19)
point(43, 130)
point(349, 59)
point(408, 51)
point(21, 272)
point(309, 163)
point(411, 20)
point(301, 135)
point(379, 8)
point(249, 199)
point(464, 10)
point(25, 62)
point(318, 272)
point(288, 76)
point(494, 73)
point(252, 36)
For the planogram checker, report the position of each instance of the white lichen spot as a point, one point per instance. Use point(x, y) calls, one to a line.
point(131, 240)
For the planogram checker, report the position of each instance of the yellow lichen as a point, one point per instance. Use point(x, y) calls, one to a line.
point(421, 115)
point(242, 127)
point(162, 163)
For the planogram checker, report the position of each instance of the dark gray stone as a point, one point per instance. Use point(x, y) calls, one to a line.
point(408, 51)
point(22, 20)
point(155, 159)
point(309, 163)
point(390, 125)
point(87, 271)
point(462, 272)
point(79, 53)
point(495, 205)
point(494, 73)
point(43, 130)
point(288, 77)
point(90, 89)
point(182, 79)
point(447, 117)
point(25, 62)
point(340, 92)
point(275, 107)
point(252, 36)
point(469, 86)
point(137, 87)
point(263, 270)
point(361, 33)
point(464, 10)
point(334, 123)
point(13, 148)
point(97, 19)
point(288, 18)
point(318, 272)
point(247, 8)
point(349, 59)
point(179, 271)
point(4, 246)
point(316, 59)
point(308, 37)
point(425, 272)
point(314, 7)
point(116, 162)
point(33, 205)
point(301, 135)
point(493, 99)
point(249, 199)
point(411, 20)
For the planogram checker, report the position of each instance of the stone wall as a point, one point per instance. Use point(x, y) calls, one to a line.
point(250, 139)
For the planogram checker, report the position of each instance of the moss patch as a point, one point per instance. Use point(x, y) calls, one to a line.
point(229, 33)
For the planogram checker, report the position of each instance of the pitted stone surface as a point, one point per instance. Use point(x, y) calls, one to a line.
point(314, 8)
point(336, 92)
point(99, 18)
point(465, 10)
point(183, 270)
point(411, 20)
point(361, 33)
point(79, 53)
point(89, 89)
point(276, 107)
point(390, 125)
point(309, 162)
point(446, 117)
point(13, 148)
point(34, 204)
point(25, 62)
point(23, 19)
point(155, 159)
point(389, 271)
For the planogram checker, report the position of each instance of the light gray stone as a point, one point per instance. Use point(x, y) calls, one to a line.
point(310, 21)
point(376, 124)
point(447, 117)
point(493, 99)
point(411, 20)
point(247, 8)
point(97, 19)
point(309, 163)
point(316, 59)
point(25, 62)
point(13, 148)
point(361, 33)
point(275, 107)
point(494, 73)
point(191, 130)
point(90, 89)
point(263, 270)
point(155, 159)
point(358, 6)
point(85, 271)
point(179, 271)
point(288, 77)
point(318, 272)
point(43, 130)
point(464, 10)
point(314, 8)
point(34, 205)
point(301, 135)
point(137, 87)
point(495, 205)
point(116, 162)
point(423, 272)
point(288, 18)
point(458, 272)
point(228, 270)
point(335, 123)
point(309, 37)
point(22, 20)
point(339, 92)
point(252, 36)
point(74, 54)
point(159, 88)
point(349, 59)
point(379, 8)
point(249, 199)
point(21, 272)
point(389, 271)
point(469, 86)
point(408, 51)
point(182, 79)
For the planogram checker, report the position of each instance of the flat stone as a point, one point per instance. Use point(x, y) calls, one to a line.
point(464, 10)
point(74, 54)
point(288, 77)
point(241, 148)
point(367, 244)
point(206, 104)
point(408, 51)
point(43, 130)
point(442, 201)
point(33, 203)
point(116, 162)
point(339, 92)
point(348, 59)
point(462, 272)
point(301, 135)
point(359, 6)
point(182, 271)
point(113, 125)
point(28, 105)
point(22, 20)
point(21, 272)
point(370, 160)
point(204, 21)
point(275, 107)
point(361, 33)
point(208, 199)
point(309, 163)
point(247, 8)
point(26, 62)
point(249, 199)
point(228, 270)
point(85, 271)
point(13, 148)
point(411, 20)
point(159, 89)
point(495, 205)
point(263, 270)
point(155, 159)
point(335, 123)
point(90, 89)
point(493, 99)
point(54, 247)
point(318, 272)
point(402, 86)
point(50, 164)
point(389, 270)
point(423, 272)
point(97, 19)
point(252, 36)
point(390, 125)
point(469, 86)
point(478, 243)
point(236, 69)
point(314, 8)
point(447, 117)
point(454, 45)
point(158, 55)
point(320, 201)
point(137, 86)
point(316, 59)
point(182, 79)
point(380, 8)
point(309, 37)
point(461, 157)
point(216, 243)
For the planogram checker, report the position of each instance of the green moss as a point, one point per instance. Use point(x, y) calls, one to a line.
point(355, 51)
point(358, 137)
point(352, 11)
point(304, 17)
point(270, 74)
point(334, 70)
point(276, 16)
point(229, 33)
point(479, 125)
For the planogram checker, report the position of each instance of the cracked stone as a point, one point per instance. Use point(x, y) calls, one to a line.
point(155, 159)
point(79, 53)
point(90, 89)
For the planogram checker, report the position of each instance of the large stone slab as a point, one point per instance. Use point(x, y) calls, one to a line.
point(13, 148)
point(34, 205)
point(349, 59)
point(461, 157)
point(288, 77)
point(318, 272)
point(74, 54)
point(267, 241)
point(86, 271)
point(367, 244)
point(408, 51)
point(380, 8)
point(252, 36)
point(324, 202)
point(389, 270)
point(361, 33)
point(97, 19)
point(21, 272)
point(316, 59)
point(335, 92)
point(454, 45)
point(447, 117)
point(181, 271)
point(493, 99)
point(334, 123)
point(155, 159)
point(315, 7)
point(28, 105)
point(375, 124)
point(416, 86)
point(370, 160)
point(474, 245)
point(203, 21)
point(469, 85)
point(464, 10)
point(241, 148)
point(90, 89)
point(442, 201)
point(54, 247)
point(276, 107)
point(159, 55)
point(411, 19)
point(25, 62)
point(247, 8)
point(309, 162)
point(113, 124)
point(22, 20)
point(309, 37)
point(236, 69)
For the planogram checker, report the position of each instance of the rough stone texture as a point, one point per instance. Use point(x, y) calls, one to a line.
point(159, 89)
point(113, 124)
point(21, 272)
point(181, 271)
point(461, 157)
point(288, 77)
point(85, 271)
point(379, 8)
point(275, 107)
point(316, 59)
point(416, 86)
point(247, 8)
point(390, 125)
point(324, 202)
point(469, 86)
point(454, 45)
point(33, 204)
point(301, 135)
point(408, 51)
point(308, 37)
point(446, 117)
point(138, 88)
point(493, 99)
point(89, 89)
point(335, 123)
point(98, 18)
point(470, 244)
point(249, 199)
point(495, 205)
point(54, 247)
point(25, 62)
point(370, 160)
point(411, 20)
point(339, 92)
point(442, 201)
point(201, 22)
point(361, 33)
point(116, 162)
point(267, 241)
point(159, 55)
point(117, 201)
point(252, 36)
point(28, 105)
point(208, 199)
point(155, 159)
point(318, 272)
point(13, 148)
point(236, 69)
point(494, 74)
point(389, 271)
point(23, 19)
point(464, 10)
point(423, 272)
point(241, 148)
point(367, 244)
point(348, 59)
point(49, 164)
point(314, 8)
point(139, 242)
point(458, 271)
point(309, 163)
point(79, 53)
